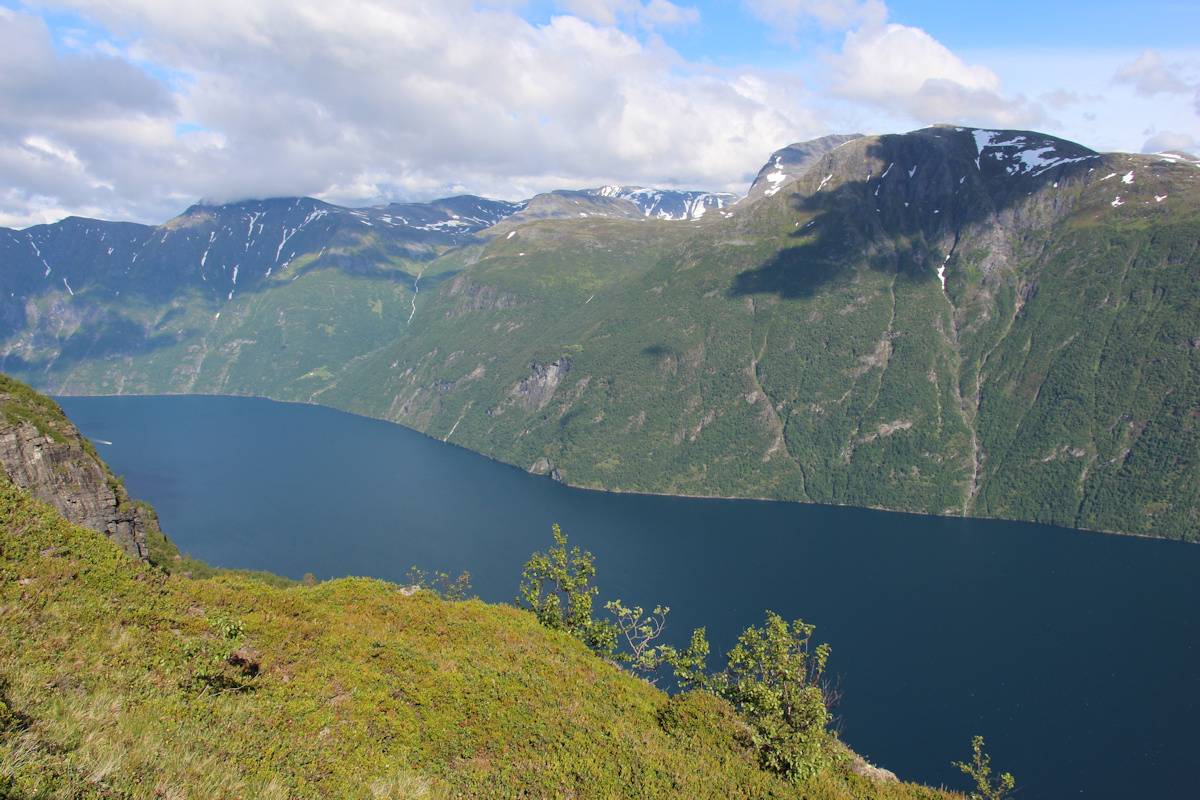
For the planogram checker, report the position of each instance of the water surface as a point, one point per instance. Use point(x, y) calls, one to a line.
point(1074, 654)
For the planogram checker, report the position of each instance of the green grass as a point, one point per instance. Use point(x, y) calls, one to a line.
point(119, 680)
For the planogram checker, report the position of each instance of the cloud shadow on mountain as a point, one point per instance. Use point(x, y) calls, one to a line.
point(935, 186)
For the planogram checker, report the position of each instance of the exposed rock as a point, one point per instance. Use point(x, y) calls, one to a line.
point(877, 774)
point(478, 297)
point(536, 391)
point(790, 163)
point(63, 474)
point(246, 658)
point(859, 766)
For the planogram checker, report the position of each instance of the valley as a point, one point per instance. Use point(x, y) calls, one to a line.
point(952, 321)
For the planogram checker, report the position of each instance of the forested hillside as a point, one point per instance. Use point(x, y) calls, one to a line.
point(950, 321)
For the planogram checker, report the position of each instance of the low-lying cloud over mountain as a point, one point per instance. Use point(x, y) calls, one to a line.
point(133, 110)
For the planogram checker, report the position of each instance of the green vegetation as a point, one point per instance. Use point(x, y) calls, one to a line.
point(20, 403)
point(803, 347)
point(555, 587)
point(987, 786)
point(119, 680)
point(771, 678)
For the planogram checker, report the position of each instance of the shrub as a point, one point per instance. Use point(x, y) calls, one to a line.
point(986, 786)
point(556, 588)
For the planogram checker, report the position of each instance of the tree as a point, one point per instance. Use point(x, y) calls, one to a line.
point(556, 588)
point(690, 665)
point(776, 682)
point(639, 632)
point(986, 787)
point(441, 584)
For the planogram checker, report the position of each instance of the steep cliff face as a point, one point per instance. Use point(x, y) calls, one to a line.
point(43, 453)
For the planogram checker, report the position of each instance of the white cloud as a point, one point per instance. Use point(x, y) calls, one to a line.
point(1149, 75)
point(899, 70)
point(907, 72)
point(365, 101)
point(150, 105)
point(1166, 140)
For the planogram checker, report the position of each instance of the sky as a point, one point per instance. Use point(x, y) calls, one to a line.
point(136, 109)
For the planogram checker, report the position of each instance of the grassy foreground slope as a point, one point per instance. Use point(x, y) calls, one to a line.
point(118, 680)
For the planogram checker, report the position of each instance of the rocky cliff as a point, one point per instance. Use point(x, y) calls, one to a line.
point(43, 453)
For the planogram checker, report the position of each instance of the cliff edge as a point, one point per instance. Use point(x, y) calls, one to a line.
point(44, 454)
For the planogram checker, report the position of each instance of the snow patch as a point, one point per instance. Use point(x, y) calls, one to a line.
point(823, 182)
point(776, 178)
point(1031, 158)
point(1128, 177)
point(913, 171)
point(64, 280)
point(286, 235)
point(1118, 202)
point(512, 234)
point(1159, 199)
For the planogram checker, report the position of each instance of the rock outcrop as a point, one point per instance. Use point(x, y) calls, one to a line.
point(44, 454)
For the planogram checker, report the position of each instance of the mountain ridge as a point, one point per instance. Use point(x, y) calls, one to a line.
point(885, 323)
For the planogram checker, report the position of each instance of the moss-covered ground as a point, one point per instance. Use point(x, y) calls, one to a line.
point(120, 680)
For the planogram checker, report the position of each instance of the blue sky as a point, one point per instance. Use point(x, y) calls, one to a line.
point(134, 109)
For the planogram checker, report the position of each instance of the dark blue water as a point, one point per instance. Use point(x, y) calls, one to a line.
point(1074, 654)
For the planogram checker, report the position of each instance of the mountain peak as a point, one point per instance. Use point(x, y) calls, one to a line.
point(788, 164)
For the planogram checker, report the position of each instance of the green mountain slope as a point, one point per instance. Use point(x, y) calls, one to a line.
point(804, 347)
point(263, 297)
point(950, 321)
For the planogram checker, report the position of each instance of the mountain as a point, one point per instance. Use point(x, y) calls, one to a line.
point(952, 321)
point(669, 204)
point(279, 289)
point(949, 321)
point(789, 164)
